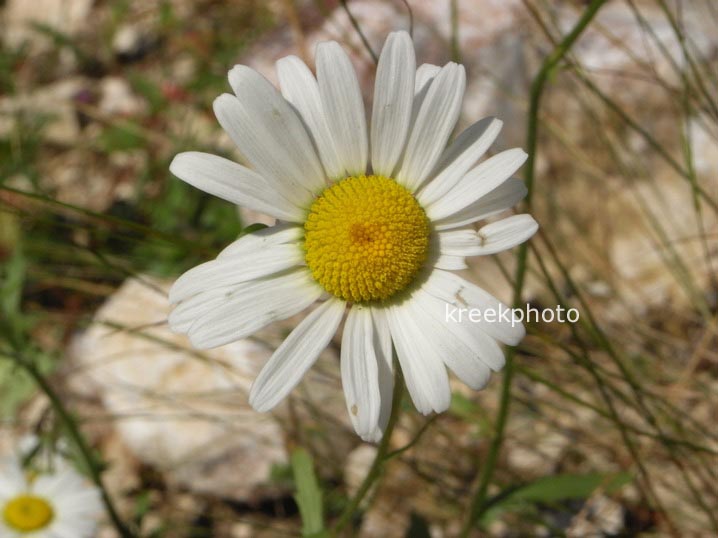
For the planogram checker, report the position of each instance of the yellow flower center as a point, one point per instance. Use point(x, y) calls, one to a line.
point(366, 238)
point(28, 513)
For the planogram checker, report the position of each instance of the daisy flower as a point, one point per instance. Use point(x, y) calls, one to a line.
point(371, 219)
point(46, 505)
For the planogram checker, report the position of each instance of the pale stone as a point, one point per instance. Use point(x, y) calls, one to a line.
point(179, 410)
point(643, 263)
point(601, 516)
point(357, 466)
point(539, 452)
point(66, 16)
point(52, 103)
point(615, 39)
point(117, 98)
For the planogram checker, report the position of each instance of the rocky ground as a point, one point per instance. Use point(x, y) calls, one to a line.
point(613, 420)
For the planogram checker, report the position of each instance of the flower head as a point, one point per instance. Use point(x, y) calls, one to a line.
point(47, 505)
point(372, 220)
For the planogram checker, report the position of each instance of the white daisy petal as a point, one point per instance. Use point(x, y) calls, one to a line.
point(64, 529)
point(425, 74)
point(434, 123)
point(51, 485)
point(490, 239)
point(281, 144)
point(424, 372)
point(476, 183)
point(193, 308)
point(360, 373)
point(300, 88)
point(269, 134)
point(217, 273)
point(252, 305)
point(453, 343)
point(459, 157)
point(12, 478)
point(274, 235)
point(393, 98)
point(234, 183)
point(190, 309)
point(385, 369)
point(462, 294)
point(296, 355)
point(482, 347)
point(503, 197)
point(343, 105)
point(80, 501)
point(450, 263)
point(255, 141)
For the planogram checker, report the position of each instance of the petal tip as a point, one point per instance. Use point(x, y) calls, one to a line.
point(222, 101)
point(259, 402)
point(176, 164)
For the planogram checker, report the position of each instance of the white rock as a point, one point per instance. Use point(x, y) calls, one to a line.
point(117, 98)
point(53, 102)
point(181, 411)
point(616, 38)
point(357, 466)
point(704, 146)
point(648, 273)
point(127, 40)
point(540, 458)
point(602, 516)
point(66, 16)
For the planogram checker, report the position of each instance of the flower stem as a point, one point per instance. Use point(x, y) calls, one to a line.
point(359, 31)
point(381, 457)
point(478, 503)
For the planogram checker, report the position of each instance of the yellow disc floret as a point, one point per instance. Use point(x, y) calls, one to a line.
point(27, 513)
point(366, 238)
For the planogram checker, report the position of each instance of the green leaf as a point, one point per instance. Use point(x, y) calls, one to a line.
point(553, 489)
point(462, 407)
point(16, 387)
point(11, 284)
point(251, 228)
point(570, 486)
point(308, 495)
point(117, 138)
point(148, 89)
point(13, 323)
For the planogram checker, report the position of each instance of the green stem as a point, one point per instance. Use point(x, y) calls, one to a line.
point(79, 440)
point(478, 503)
point(455, 47)
point(382, 455)
point(359, 31)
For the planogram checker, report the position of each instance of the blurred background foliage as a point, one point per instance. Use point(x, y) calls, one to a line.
point(611, 427)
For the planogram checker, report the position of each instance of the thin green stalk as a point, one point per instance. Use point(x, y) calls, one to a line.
point(455, 47)
point(359, 31)
point(382, 455)
point(105, 218)
point(410, 12)
point(693, 67)
point(78, 439)
point(414, 441)
point(478, 502)
point(650, 140)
